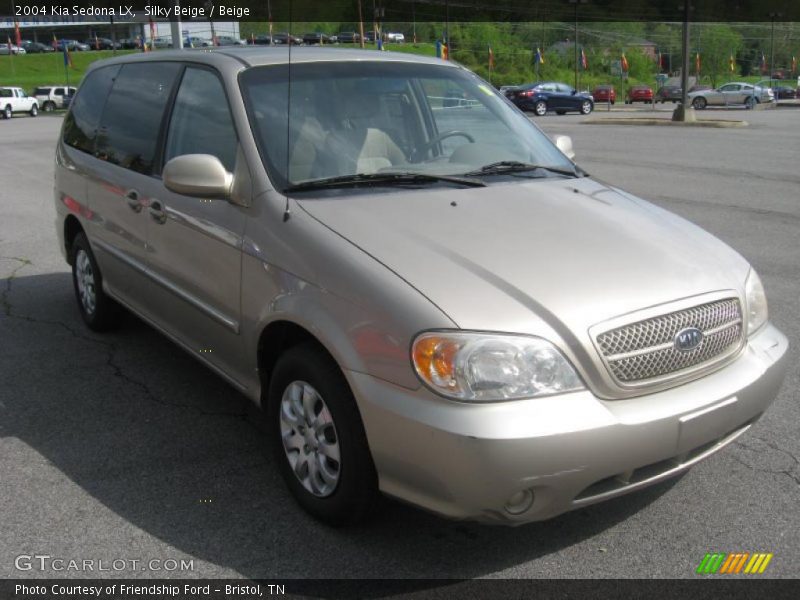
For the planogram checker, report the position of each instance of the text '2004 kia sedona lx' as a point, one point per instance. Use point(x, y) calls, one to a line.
point(427, 298)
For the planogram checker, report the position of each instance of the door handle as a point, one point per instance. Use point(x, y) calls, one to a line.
point(157, 212)
point(133, 201)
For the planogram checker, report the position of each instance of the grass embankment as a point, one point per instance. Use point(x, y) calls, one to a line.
point(30, 70)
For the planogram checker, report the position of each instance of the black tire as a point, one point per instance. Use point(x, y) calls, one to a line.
point(751, 102)
point(105, 314)
point(34, 110)
point(540, 108)
point(356, 490)
point(49, 106)
point(699, 103)
point(7, 112)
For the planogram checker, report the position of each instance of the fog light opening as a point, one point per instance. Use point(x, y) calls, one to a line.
point(519, 502)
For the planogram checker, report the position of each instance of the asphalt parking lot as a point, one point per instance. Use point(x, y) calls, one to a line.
point(121, 446)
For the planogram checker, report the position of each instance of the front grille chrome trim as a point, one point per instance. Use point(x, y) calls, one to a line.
point(639, 351)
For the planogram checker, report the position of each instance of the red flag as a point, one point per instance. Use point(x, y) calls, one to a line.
point(445, 52)
point(491, 58)
point(19, 35)
point(584, 62)
point(624, 63)
point(697, 64)
point(152, 35)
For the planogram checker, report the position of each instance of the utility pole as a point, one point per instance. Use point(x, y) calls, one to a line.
point(175, 28)
point(113, 38)
point(772, 16)
point(683, 112)
point(576, 3)
point(361, 24)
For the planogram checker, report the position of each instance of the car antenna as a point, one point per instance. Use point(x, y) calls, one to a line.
point(286, 212)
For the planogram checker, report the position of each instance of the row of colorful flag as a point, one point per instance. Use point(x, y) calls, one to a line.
point(538, 58)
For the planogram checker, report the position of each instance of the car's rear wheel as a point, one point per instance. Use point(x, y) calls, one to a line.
point(586, 107)
point(318, 438)
point(34, 110)
point(98, 310)
point(7, 112)
point(540, 108)
point(699, 103)
point(49, 106)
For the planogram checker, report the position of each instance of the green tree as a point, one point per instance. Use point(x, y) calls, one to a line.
point(716, 43)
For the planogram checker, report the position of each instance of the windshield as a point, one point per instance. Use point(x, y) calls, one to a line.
point(367, 117)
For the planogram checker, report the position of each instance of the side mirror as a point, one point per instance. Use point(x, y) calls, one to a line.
point(564, 143)
point(200, 175)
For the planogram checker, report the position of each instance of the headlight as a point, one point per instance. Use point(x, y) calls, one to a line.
point(756, 299)
point(479, 366)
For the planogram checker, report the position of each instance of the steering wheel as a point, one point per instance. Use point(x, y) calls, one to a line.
point(419, 152)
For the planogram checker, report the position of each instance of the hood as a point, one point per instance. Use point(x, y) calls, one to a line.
point(566, 253)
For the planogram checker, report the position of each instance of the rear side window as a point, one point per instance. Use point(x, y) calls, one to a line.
point(201, 120)
point(129, 128)
point(80, 125)
point(41, 91)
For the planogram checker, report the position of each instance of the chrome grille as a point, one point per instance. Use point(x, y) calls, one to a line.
point(646, 349)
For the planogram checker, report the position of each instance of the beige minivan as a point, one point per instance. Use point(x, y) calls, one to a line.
point(427, 297)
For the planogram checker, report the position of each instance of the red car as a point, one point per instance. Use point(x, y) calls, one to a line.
point(605, 93)
point(639, 93)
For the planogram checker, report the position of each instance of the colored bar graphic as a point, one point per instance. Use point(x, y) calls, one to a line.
point(723, 563)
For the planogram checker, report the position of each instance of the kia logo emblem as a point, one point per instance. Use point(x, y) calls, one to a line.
point(688, 339)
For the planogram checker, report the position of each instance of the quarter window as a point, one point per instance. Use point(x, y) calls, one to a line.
point(201, 120)
point(129, 128)
point(80, 124)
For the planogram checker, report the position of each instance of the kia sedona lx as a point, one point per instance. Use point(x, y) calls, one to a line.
point(428, 298)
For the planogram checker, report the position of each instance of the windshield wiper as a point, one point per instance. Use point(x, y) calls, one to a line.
point(390, 178)
point(513, 166)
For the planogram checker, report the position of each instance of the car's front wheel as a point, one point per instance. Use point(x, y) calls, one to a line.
point(34, 110)
point(699, 103)
point(98, 310)
point(540, 108)
point(318, 438)
point(586, 107)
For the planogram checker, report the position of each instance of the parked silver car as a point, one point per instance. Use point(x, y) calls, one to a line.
point(427, 300)
point(734, 93)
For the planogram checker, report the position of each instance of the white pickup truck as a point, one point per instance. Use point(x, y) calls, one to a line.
point(15, 100)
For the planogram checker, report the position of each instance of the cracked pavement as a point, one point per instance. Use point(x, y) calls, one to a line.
point(122, 446)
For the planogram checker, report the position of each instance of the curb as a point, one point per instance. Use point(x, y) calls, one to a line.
point(718, 123)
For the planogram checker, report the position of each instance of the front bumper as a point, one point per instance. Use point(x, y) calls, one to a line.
point(467, 461)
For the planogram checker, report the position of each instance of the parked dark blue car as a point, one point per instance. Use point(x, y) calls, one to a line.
point(549, 95)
